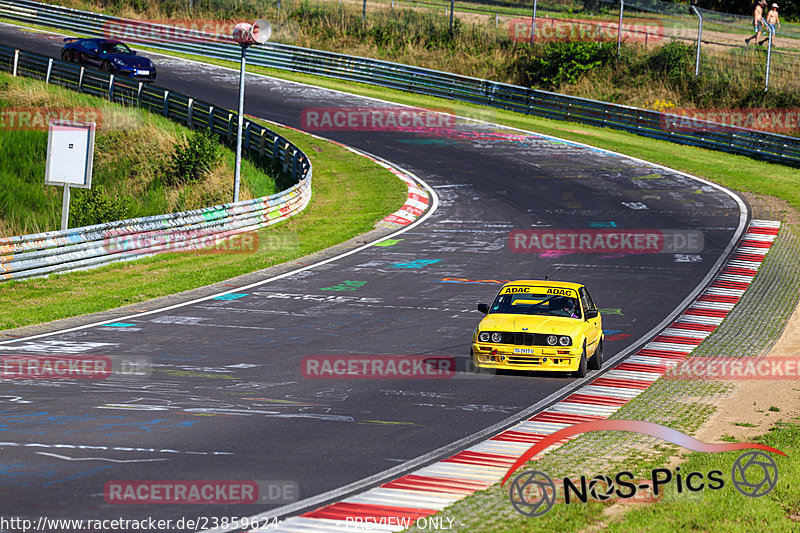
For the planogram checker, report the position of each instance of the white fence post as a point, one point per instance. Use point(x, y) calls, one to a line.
point(699, 40)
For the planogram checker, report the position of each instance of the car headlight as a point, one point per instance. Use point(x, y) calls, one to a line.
point(552, 340)
point(497, 337)
point(564, 340)
point(483, 336)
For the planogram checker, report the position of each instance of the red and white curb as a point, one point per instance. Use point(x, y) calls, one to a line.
point(417, 201)
point(398, 504)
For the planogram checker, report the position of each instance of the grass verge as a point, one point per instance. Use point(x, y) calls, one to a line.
point(350, 193)
point(726, 509)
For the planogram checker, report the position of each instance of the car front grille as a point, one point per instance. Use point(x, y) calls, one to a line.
point(524, 339)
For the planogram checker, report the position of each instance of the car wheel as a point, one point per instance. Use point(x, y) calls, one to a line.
point(582, 366)
point(105, 66)
point(596, 361)
point(66, 55)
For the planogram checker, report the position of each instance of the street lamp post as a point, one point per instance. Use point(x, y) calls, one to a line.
point(246, 35)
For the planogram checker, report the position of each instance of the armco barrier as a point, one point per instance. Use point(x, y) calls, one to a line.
point(752, 143)
point(72, 249)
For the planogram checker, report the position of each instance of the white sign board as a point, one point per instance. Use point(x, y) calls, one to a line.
point(70, 150)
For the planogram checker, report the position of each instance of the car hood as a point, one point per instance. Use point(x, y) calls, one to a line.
point(534, 324)
point(131, 61)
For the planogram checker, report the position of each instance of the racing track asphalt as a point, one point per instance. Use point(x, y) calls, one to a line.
point(226, 392)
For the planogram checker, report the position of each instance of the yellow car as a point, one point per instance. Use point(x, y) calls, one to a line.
point(540, 325)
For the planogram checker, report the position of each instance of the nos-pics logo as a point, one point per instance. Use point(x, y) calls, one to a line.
point(533, 493)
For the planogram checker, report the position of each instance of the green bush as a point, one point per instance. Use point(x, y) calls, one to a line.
point(674, 60)
point(190, 161)
point(94, 206)
point(550, 64)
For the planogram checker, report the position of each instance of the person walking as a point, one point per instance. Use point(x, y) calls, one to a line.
point(771, 21)
point(758, 20)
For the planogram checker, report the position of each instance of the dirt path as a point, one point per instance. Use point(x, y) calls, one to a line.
point(750, 403)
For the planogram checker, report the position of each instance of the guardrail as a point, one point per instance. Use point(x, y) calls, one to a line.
point(79, 248)
point(757, 144)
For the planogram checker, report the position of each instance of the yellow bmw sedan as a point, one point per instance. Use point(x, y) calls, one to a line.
point(542, 326)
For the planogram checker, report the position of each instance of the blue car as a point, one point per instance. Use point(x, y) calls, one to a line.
point(109, 56)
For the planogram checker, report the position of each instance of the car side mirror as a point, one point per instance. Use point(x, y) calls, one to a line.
point(592, 313)
point(483, 308)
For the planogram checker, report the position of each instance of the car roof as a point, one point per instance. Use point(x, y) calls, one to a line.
point(543, 283)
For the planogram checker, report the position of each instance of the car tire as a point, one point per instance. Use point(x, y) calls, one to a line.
point(596, 361)
point(67, 55)
point(582, 366)
point(105, 66)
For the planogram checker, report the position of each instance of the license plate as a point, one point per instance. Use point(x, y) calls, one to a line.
point(529, 351)
point(142, 72)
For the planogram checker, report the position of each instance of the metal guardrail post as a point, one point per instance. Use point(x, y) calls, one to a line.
point(769, 59)
point(189, 111)
point(452, 11)
point(619, 27)
point(699, 40)
point(211, 119)
point(533, 23)
point(230, 127)
point(166, 103)
point(287, 154)
point(49, 70)
point(80, 80)
point(139, 94)
point(16, 63)
point(111, 88)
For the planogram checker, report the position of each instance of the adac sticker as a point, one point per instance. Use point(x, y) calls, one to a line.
point(516, 290)
point(563, 292)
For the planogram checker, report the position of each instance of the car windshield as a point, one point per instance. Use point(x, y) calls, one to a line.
point(115, 48)
point(536, 304)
